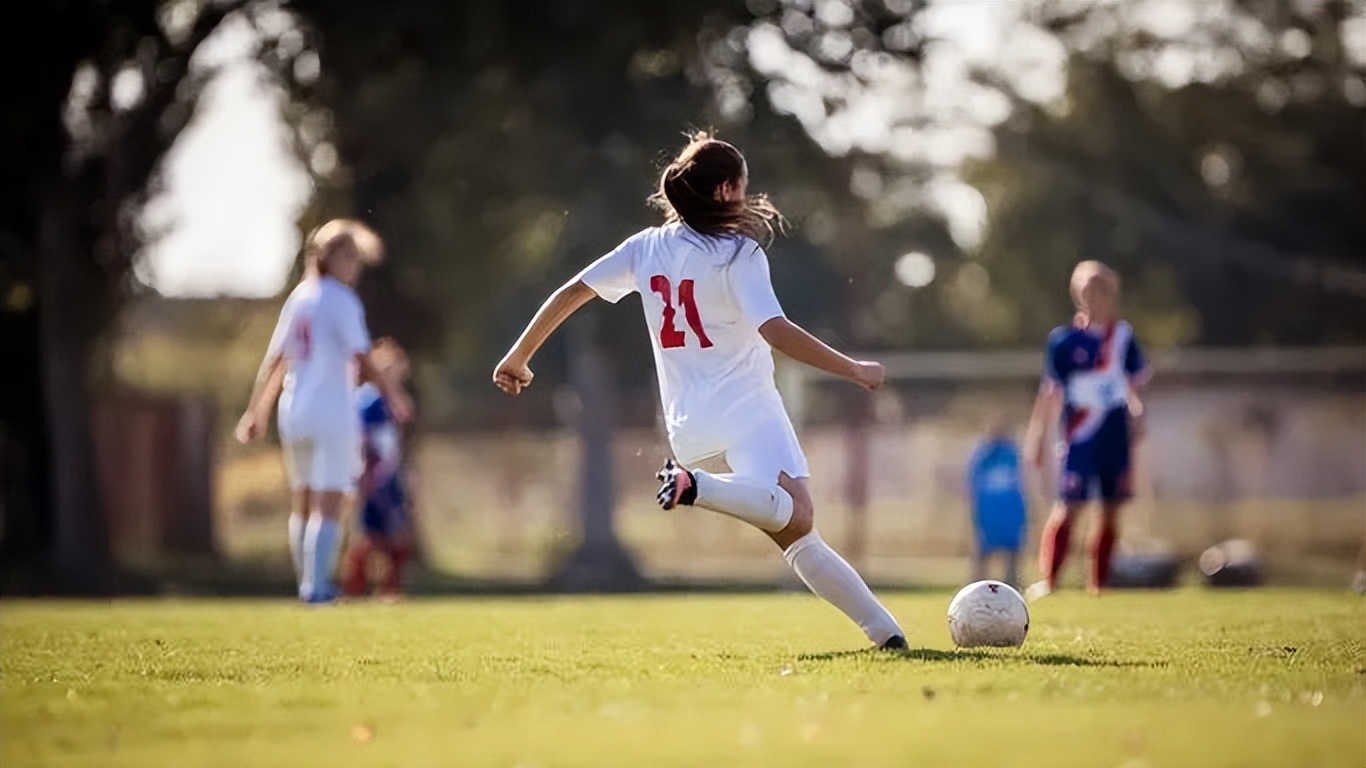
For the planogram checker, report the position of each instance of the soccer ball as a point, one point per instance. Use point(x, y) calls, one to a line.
point(988, 613)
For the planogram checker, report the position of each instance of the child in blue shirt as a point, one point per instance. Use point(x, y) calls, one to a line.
point(998, 503)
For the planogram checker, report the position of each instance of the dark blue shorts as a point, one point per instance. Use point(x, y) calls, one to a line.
point(1099, 465)
point(385, 512)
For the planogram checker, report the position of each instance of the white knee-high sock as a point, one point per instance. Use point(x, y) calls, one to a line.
point(321, 537)
point(296, 544)
point(835, 580)
point(765, 505)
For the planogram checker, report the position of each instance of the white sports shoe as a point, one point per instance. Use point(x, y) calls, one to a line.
point(1037, 590)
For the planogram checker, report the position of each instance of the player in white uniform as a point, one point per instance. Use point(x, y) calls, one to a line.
point(713, 319)
point(318, 350)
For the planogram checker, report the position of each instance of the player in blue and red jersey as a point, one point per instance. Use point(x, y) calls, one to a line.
point(385, 523)
point(1092, 370)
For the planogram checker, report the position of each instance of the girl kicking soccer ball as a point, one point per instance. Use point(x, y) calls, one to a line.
point(713, 318)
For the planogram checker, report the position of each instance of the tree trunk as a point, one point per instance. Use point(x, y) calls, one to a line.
point(601, 563)
point(72, 298)
point(24, 487)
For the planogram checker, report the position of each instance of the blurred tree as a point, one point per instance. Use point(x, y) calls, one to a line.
point(1229, 192)
point(1213, 151)
point(471, 133)
point(90, 109)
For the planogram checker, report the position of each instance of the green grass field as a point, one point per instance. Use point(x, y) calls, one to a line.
point(1185, 678)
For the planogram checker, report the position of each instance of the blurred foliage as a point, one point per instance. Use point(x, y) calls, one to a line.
point(499, 156)
point(96, 94)
point(1213, 152)
point(502, 146)
point(1232, 204)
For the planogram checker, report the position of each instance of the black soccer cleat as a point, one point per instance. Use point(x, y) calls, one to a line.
point(893, 643)
point(677, 486)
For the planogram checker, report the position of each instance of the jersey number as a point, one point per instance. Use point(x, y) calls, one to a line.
point(303, 337)
point(669, 336)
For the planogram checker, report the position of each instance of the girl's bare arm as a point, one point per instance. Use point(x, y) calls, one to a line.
point(795, 342)
point(513, 372)
point(269, 381)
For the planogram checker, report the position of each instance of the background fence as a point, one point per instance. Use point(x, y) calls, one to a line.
point(1268, 446)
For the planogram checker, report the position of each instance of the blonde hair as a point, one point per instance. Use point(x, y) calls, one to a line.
point(326, 239)
point(388, 352)
point(1082, 275)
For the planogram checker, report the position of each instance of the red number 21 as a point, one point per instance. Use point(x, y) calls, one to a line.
point(303, 337)
point(669, 336)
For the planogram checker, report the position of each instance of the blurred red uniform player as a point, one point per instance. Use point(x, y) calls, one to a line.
point(385, 519)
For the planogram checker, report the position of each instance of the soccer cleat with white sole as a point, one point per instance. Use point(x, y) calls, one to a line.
point(893, 643)
point(677, 486)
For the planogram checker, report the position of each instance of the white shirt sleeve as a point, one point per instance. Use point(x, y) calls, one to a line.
point(749, 279)
point(276, 347)
point(612, 277)
point(355, 339)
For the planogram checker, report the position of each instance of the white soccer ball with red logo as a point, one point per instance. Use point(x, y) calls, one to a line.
point(988, 613)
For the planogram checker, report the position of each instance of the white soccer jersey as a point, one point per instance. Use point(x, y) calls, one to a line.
point(704, 300)
point(320, 331)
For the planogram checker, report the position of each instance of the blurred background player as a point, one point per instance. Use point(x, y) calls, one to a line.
point(319, 347)
point(998, 503)
point(385, 522)
point(713, 321)
point(1092, 369)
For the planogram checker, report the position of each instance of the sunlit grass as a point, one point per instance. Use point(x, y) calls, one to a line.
point(1194, 677)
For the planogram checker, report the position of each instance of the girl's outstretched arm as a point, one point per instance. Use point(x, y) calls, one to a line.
point(795, 342)
point(513, 372)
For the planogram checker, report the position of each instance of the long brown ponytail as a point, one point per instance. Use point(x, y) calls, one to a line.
point(687, 192)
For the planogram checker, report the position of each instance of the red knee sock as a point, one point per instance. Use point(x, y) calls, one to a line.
point(1053, 548)
point(355, 580)
point(393, 577)
point(1102, 547)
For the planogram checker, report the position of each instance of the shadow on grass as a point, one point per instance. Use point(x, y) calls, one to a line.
point(1004, 655)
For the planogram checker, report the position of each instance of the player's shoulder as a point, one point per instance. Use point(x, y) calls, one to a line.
point(302, 296)
point(646, 235)
point(729, 244)
point(307, 287)
point(340, 293)
point(1062, 335)
point(749, 248)
point(638, 243)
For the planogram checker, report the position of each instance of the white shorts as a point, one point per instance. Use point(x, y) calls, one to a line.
point(764, 449)
point(322, 465)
